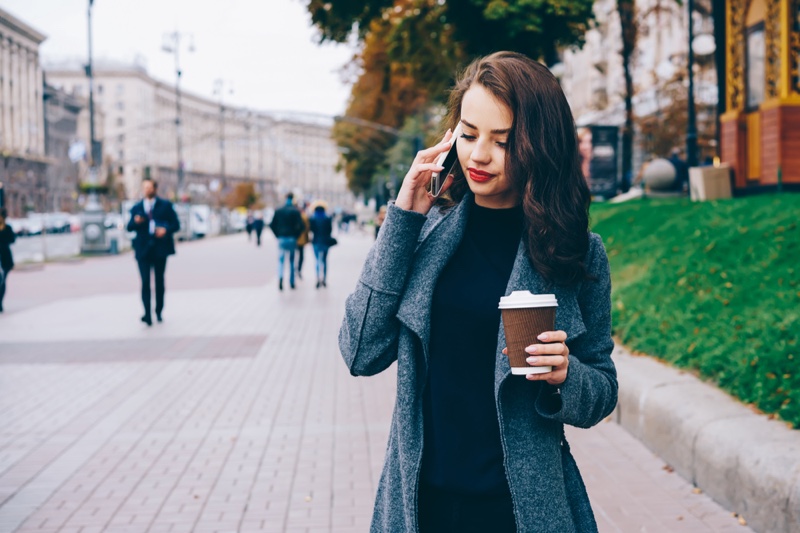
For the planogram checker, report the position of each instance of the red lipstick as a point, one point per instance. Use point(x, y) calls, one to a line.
point(479, 175)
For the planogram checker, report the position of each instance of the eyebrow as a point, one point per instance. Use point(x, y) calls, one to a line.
point(493, 131)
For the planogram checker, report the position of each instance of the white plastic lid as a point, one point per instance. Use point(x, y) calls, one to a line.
point(524, 299)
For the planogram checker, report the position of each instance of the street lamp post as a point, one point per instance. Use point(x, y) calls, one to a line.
point(93, 219)
point(691, 127)
point(172, 45)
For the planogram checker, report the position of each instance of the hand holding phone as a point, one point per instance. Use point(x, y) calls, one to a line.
point(448, 160)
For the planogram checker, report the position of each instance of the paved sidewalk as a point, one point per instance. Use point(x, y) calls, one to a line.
point(235, 414)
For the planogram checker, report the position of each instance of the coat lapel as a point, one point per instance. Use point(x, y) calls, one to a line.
point(438, 242)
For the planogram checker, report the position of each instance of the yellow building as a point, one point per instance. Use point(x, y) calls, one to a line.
point(760, 132)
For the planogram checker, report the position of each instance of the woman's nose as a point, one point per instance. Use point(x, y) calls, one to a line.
point(480, 154)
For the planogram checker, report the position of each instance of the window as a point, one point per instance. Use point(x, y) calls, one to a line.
point(100, 88)
point(121, 105)
point(120, 122)
point(755, 69)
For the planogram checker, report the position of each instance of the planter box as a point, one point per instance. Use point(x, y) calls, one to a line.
point(710, 183)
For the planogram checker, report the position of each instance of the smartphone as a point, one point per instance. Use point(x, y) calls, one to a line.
point(448, 160)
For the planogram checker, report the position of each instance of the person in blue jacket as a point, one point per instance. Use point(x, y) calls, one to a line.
point(473, 448)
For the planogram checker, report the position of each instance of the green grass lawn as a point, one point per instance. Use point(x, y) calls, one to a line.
point(712, 287)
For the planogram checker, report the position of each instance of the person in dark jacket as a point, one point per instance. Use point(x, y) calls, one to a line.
point(155, 222)
point(472, 446)
point(287, 225)
point(7, 238)
point(681, 170)
point(258, 226)
point(321, 228)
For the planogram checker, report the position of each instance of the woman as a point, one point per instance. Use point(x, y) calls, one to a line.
point(472, 447)
point(321, 229)
point(302, 240)
point(7, 237)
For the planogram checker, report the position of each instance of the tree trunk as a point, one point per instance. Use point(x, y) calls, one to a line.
point(627, 10)
point(718, 12)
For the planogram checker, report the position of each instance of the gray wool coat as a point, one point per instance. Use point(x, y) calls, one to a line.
point(387, 320)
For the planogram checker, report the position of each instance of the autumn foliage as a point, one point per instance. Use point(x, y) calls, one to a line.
point(243, 195)
point(411, 50)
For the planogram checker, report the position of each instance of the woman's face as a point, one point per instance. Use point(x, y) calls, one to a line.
point(486, 123)
point(585, 145)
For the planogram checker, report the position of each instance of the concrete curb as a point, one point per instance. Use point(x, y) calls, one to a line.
point(747, 463)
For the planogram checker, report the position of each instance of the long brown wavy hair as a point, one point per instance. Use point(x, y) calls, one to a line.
point(542, 161)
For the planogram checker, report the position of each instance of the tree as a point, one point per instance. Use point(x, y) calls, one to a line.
point(629, 27)
point(537, 28)
point(385, 93)
point(411, 49)
point(243, 195)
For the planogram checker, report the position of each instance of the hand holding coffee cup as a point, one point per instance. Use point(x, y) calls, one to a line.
point(534, 349)
point(552, 357)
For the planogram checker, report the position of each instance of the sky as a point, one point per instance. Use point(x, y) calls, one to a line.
point(264, 50)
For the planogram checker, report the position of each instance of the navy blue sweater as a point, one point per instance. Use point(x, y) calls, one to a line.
point(462, 447)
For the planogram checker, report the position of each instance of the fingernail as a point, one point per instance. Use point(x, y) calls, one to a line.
point(543, 337)
point(531, 360)
point(531, 349)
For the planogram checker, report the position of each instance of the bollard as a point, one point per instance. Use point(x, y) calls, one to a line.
point(114, 247)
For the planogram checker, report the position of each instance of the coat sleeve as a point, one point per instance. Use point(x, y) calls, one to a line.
point(589, 393)
point(173, 224)
point(132, 226)
point(369, 333)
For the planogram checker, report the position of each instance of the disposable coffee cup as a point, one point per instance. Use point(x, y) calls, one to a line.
point(525, 317)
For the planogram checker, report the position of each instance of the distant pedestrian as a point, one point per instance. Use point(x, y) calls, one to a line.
point(248, 224)
point(473, 447)
point(155, 222)
point(258, 226)
point(7, 238)
point(681, 170)
point(302, 240)
point(321, 229)
point(287, 225)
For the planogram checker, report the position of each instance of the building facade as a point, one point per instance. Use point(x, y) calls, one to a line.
point(760, 130)
point(22, 146)
point(218, 146)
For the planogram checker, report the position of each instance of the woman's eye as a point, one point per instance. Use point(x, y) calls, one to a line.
point(468, 137)
point(502, 144)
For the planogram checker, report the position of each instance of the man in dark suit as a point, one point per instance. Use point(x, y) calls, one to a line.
point(155, 222)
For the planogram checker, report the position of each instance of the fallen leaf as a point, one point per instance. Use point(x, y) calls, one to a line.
point(742, 521)
point(697, 490)
point(308, 498)
point(668, 468)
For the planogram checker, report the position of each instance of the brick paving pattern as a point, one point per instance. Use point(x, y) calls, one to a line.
point(236, 414)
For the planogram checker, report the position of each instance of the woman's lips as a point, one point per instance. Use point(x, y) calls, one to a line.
point(479, 175)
